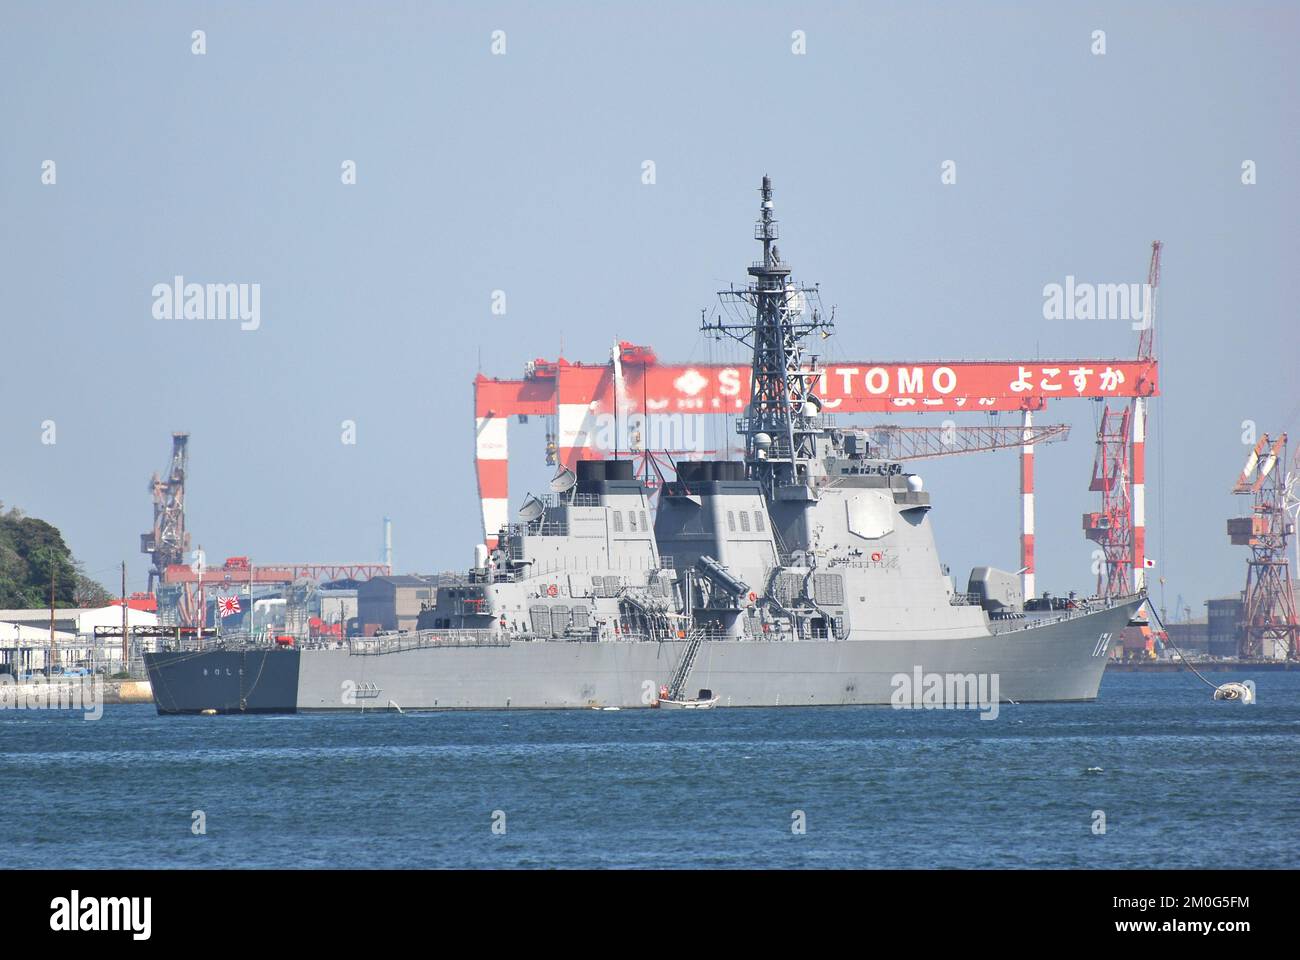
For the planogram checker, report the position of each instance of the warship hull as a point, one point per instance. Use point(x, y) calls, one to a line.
point(804, 574)
point(1061, 660)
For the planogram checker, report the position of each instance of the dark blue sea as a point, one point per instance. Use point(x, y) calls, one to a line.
point(1183, 782)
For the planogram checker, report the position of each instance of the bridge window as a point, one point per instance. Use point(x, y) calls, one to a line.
point(631, 520)
point(618, 521)
point(731, 521)
point(758, 521)
point(744, 520)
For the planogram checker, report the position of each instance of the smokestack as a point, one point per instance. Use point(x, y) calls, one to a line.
point(388, 543)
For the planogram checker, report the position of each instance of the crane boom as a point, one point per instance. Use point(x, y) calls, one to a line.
point(920, 443)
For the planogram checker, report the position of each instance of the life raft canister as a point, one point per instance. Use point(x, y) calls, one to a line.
point(552, 590)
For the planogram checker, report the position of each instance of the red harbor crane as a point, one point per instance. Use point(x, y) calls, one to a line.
point(1269, 625)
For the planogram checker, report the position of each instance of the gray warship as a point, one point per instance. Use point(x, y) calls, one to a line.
point(805, 574)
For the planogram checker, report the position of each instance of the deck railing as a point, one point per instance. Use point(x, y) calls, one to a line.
point(424, 640)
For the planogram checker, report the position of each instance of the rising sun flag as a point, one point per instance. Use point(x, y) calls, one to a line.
point(227, 606)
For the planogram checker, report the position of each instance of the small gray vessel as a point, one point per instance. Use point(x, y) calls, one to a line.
point(806, 574)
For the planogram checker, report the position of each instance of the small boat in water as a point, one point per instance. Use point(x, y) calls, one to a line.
point(705, 701)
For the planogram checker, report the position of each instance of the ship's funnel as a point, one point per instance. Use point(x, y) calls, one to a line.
point(619, 470)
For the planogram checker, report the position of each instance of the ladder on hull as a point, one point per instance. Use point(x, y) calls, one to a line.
point(683, 671)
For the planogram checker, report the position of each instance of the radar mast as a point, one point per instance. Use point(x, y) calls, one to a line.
point(773, 315)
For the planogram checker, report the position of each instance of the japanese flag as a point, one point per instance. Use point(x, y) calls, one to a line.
point(1148, 562)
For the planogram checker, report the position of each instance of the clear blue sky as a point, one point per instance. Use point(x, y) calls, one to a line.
point(522, 173)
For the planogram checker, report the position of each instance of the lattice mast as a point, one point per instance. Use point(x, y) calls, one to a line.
point(168, 542)
point(1111, 528)
point(782, 422)
point(1292, 500)
point(1137, 456)
point(1269, 623)
point(1119, 471)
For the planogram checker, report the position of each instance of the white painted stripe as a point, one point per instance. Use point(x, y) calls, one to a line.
point(1139, 420)
point(1139, 505)
point(496, 511)
point(1030, 589)
point(577, 425)
point(1027, 514)
point(490, 441)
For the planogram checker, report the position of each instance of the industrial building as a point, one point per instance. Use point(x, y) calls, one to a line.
point(24, 647)
point(392, 602)
point(1190, 637)
point(1223, 628)
point(25, 641)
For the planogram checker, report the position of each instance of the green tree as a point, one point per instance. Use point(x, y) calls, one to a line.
point(32, 553)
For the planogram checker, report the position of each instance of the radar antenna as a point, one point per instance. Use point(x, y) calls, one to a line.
point(782, 421)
